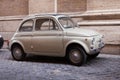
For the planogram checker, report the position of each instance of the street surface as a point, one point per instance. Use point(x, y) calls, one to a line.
point(104, 67)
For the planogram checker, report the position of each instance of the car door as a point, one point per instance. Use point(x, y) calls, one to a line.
point(47, 38)
point(25, 34)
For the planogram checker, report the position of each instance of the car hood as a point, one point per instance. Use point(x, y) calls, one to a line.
point(80, 32)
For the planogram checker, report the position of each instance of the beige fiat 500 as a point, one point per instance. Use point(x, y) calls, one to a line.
point(55, 35)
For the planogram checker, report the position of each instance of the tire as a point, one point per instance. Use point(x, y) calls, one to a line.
point(1, 42)
point(93, 56)
point(18, 53)
point(76, 55)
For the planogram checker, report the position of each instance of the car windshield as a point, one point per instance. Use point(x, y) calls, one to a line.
point(66, 22)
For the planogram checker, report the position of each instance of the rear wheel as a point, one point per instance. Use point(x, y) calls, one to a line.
point(18, 53)
point(76, 55)
point(1, 42)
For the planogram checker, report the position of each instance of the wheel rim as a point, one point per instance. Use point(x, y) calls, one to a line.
point(17, 53)
point(75, 56)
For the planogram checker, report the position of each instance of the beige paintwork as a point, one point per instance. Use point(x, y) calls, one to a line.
point(55, 42)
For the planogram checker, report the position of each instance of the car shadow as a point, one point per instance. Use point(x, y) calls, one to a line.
point(60, 60)
point(45, 59)
point(63, 61)
point(1, 50)
point(96, 61)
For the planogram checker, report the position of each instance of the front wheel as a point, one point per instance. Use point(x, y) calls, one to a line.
point(18, 53)
point(76, 55)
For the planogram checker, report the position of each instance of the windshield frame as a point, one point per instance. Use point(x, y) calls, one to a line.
point(68, 19)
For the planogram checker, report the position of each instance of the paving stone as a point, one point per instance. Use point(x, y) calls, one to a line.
point(105, 67)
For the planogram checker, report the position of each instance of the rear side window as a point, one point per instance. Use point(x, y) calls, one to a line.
point(27, 26)
point(46, 25)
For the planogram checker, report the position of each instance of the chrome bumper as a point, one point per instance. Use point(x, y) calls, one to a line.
point(97, 50)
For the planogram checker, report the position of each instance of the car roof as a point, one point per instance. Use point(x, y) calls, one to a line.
point(45, 15)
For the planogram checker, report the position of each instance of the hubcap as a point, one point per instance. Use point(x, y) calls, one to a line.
point(17, 53)
point(75, 56)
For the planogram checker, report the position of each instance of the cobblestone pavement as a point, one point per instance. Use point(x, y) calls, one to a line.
point(105, 67)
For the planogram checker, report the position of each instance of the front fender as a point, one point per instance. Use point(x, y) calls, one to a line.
point(80, 43)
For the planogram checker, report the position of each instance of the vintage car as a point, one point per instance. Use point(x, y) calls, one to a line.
point(1, 41)
point(55, 35)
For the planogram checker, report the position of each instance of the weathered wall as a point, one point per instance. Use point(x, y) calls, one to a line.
point(8, 25)
point(103, 4)
point(13, 7)
point(101, 15)
point(71, 5)
point(104, 17)
point(41, 6)
point(60, 6)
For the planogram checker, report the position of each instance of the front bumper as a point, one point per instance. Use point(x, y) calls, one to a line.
point(98, 49)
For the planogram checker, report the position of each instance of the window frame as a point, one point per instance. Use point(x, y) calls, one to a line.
point(49, 18)
point(24, 23)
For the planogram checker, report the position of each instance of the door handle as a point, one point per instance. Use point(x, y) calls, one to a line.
point(25, 35)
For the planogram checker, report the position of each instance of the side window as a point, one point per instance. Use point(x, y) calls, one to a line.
point(45, 25)
point(53, 25)
point(27, 26)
